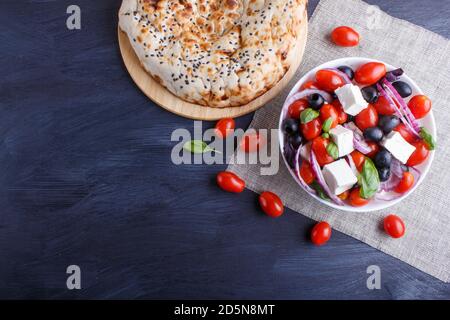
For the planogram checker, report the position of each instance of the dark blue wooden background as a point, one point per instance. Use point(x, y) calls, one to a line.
point(86, 179)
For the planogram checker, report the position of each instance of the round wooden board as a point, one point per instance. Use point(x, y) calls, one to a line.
point(164, 98)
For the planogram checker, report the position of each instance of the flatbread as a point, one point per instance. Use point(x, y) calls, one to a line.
point(217, 53)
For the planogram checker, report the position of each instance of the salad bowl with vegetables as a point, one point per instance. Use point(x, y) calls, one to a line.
point(357, 134)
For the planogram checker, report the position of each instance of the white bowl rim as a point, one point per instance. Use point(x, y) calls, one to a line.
point(369, 207)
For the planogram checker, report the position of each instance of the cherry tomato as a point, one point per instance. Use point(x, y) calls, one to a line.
point(319, 146)
point(419, 155)
point(405, 183)
point(374, 147)
point(345, 36)
point(306, 172)
point(251, 142)
point(405, 133)
point(370, 73)
point(383, 106)
point(224, 127)
point(311, 129)
point(367, 118)
point(328, 111)
point(358, 159)
point(344, 195)
point(321, 233)
point(328, 80)
point(230, 182)
point(394, 226)
point(342, 116)
point(309, 85)
point(296, 108)
point(419, 105)
point(356, 200)
point(271, 204)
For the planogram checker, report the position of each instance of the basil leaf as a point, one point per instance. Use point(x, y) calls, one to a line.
point(327, 124)
point(325, 135)
point(308, 115)
point(428, 138)
point(319, 190)
point(368, 180)
point(332, 150)
point(197, 146)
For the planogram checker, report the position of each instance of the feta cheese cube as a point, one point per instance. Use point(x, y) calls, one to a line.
point(398, 146)
point(339, 176)
point(351, 99)
point(306, 151)
point(343, 138)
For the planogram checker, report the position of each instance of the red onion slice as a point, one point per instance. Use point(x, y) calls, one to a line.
point(321, 180)
point(390, 88)
point(396, 168)
point(341, 74)
point(397, 110)
point(387, 196)
point(304, 93)
point(298, 159)
point(358, 140)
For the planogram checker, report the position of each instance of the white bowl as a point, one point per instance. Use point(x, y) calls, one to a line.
point(427, 122)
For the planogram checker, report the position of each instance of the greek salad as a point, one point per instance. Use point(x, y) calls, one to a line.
point(352, 135)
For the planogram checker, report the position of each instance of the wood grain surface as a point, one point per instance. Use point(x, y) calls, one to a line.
point(86, 179)
point(164, 98)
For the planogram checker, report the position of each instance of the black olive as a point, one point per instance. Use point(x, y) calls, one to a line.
point(384, 173)
point(289, 126)
point(370, 94)
point(295, 140)
point(315, 101)
point(383, 159)
point(348, 71)
point(388, 123)
point(373, 134)
point(403, 89)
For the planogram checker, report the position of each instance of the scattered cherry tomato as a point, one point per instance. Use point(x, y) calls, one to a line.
point(394, 226)
point(374, 147)
point(271, 204)
point(306, 172)
point(309, 85)
point(327, 111)
point(251, 142)
point(328, 80)
point(311, 129)
point(321, 233)
point(358, 159)
point(370, 73)
point(296, 108)
point(356, 200)
point(345, 36)
point(230, 182)
point(367, 118)
point(319, 146)
point(342, 115)
point(383, 106)
point(405, 183)
point(224, 127)
point(419, 155)
point(405, 133)
point(419, 105)
point(344, 195)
